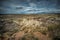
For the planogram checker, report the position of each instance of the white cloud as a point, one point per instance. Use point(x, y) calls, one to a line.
point(32, 5)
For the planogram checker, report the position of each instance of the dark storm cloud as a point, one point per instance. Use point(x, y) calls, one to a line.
point(29, 6)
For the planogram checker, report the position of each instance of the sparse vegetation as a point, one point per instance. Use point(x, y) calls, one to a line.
point(30, 27)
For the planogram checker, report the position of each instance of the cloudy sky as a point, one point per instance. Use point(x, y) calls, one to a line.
point(29, 6)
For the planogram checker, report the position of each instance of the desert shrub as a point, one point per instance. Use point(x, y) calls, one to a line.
point(55, 29)
point(29, 37)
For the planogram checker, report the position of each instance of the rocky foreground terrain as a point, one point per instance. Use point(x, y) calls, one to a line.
point(30, 27)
